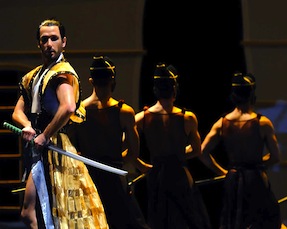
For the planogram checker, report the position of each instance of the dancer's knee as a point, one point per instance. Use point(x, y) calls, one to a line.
point(28, 217)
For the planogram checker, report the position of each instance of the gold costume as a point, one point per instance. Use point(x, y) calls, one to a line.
point(74, 199)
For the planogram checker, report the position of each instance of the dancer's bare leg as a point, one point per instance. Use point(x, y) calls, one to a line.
point(28, 213)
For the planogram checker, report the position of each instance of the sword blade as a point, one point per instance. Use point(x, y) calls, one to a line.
point(87, 161)
point(210, 180)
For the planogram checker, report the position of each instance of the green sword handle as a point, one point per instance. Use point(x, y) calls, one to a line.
point(14, 129)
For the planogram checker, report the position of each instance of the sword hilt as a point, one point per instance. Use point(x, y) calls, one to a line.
point(14, 129)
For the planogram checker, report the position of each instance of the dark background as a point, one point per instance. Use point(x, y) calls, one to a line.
point(203, 43)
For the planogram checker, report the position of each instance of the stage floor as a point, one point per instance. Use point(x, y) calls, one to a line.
point(12, 225)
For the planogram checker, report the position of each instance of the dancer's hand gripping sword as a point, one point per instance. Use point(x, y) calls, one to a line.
point(87, 161)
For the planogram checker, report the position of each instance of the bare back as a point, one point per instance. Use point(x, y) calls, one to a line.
point(168, 133)
point(243, 141)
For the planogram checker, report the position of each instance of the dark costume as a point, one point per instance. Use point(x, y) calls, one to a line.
point(67, 194)
point(248, 200)
point(99, 137)
point(174, 202)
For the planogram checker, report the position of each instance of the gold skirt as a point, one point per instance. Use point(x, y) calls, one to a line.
point(76, 202)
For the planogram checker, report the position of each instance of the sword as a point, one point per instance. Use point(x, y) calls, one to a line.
point(87, 161)
point(205, 181)
point(210, 180)
point(138, 178)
